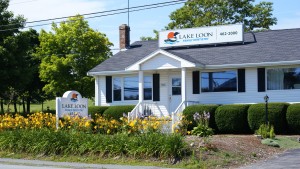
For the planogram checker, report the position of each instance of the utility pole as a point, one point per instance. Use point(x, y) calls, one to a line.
point(128, 13)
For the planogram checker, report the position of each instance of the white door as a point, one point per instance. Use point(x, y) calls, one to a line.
point(174, 92)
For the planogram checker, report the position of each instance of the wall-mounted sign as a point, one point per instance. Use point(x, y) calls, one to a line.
point(71, 104)
point(203, 35)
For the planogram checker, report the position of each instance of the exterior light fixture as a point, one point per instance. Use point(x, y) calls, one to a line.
point(266, 98)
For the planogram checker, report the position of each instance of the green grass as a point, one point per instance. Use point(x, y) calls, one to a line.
point(287, 142)
point(39, 107)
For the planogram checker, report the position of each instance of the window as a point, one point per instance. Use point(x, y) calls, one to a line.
point(283, 78)
point(176, 86)
point(147, 88)
point(219, 81)
point(117, 89)
point(131, 88)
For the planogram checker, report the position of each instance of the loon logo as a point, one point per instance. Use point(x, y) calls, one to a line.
point(172, 38)
point(74, 97)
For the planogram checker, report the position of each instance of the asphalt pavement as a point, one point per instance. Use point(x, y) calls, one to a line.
point(7, 163)
point(287, 160)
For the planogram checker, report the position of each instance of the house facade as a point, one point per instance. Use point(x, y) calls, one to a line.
point(162, 79)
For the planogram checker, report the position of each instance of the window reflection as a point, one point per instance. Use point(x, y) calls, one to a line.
point(147, 88)
point(117, 89)
point(131, 88)
point(283, 78)
point(219, 81)
point(176, 86)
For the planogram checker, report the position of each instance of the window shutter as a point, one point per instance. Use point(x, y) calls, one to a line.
point(156, 93)
point(196, 82)
point(108, 89)
point(241, 80)
point(261, 80)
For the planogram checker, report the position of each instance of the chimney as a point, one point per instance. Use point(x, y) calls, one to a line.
point(124, 36)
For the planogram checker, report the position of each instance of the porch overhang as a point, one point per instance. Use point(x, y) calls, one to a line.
point(161, 59)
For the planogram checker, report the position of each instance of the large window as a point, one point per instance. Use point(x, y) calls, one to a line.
point(283, 78)
point(147, 88)
point(117, 89)
point(219, 81)
point(130, 88)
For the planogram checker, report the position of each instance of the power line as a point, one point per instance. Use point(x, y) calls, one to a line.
point(93, 13)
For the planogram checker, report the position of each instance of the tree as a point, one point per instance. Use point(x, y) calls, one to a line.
point(146, 38)
point(9, 26)
point(197, 13)
point(67, 53)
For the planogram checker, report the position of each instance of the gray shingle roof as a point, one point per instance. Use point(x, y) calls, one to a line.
point(270, 46)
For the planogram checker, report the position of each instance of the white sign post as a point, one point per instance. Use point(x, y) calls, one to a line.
point(71, 104)
point(202, 35)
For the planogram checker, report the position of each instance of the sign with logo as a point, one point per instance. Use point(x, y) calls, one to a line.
point(203, 35)
point(71, 104)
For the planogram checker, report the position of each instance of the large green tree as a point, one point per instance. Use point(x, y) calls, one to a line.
point(196, 13)
point(67, 53)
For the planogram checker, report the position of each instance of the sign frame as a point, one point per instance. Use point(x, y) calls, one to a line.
point(201, 36)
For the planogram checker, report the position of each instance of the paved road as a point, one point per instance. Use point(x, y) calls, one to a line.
point(7, 163)
point(288, 160)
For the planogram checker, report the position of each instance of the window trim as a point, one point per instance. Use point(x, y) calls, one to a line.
point(215, 71)
point(122, 87)
point(276, 67)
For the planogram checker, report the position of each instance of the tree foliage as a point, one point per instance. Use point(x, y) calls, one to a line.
point(146, 38)
point(197, 13)
point(67, 53)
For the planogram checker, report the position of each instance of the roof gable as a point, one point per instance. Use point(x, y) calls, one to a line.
point(160, 59)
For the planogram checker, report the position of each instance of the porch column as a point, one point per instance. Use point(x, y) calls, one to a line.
point(183, 84)
point(141, 86)
point(97, 91)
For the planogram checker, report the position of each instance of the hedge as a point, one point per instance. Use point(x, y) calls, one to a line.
point(293, 118)
point(191, 110)
point(232, 119)
point(116, 112)
point(97, 110)
point(276, 116)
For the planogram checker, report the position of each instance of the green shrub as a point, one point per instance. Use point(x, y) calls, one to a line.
point(151, 145)
point(293, 118)
point(191, 110)
point(97, 110)
point(116, 112)
point(270, 142)
point(232, 118)
point(276, 116)
point(266, 131)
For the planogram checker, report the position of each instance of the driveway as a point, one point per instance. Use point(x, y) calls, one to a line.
point(289, 159)
point(8, 163)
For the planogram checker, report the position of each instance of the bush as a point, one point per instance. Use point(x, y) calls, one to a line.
point(97, 110)
point(276, 116)
point(191, 110)
point(232, 118)
point(293, 118)
point(116, 112)
point(151, 145)
point(266, 131)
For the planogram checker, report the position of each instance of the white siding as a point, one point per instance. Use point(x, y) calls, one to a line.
point(250, 96)
point(160, 62)
point(102, 91)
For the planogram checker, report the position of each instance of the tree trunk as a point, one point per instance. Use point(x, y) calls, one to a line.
point(28, 104)
point(15, 105)
point(23, 103)
point(2, 105)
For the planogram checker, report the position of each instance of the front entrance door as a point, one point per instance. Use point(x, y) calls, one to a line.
point(174, 93)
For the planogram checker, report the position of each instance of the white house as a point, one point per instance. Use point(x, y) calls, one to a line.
point(164, 76)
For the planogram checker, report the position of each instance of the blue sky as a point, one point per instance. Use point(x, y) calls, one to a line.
point(142, 23)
